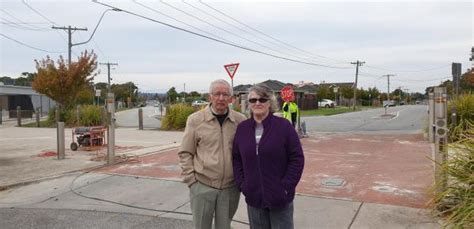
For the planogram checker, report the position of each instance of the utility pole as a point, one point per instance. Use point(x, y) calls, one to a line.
point(108, 74)
point(388, 86)
point(60, 125)
point(110, 119)
point(184, 93)
point(69, 30)
point(357, 63)
point(472, 55)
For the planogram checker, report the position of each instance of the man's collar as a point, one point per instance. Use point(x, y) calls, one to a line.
point(209, 113)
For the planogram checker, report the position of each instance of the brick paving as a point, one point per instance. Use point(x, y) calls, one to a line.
point(386, 169)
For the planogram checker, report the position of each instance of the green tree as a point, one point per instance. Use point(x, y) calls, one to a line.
point(346, 92)
point(324, 92)
point(172, 94)
point(194, 94)
point(61, 82)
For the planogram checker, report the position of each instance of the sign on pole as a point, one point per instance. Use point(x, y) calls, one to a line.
point(231, 69)
point(287, 94)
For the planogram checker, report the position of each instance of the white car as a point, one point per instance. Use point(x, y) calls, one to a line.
point(389, 103)
point(199, 103)
point(326, 103)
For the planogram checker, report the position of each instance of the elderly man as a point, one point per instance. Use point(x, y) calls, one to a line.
point(206, 159)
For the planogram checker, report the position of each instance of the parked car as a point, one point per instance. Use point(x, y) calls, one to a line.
point(199, 103)
point(326, 103)
point(389, 103)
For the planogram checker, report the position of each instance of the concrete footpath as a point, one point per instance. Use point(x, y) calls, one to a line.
point(145, 191)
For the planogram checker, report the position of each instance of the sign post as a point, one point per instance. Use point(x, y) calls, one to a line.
point(231, 69)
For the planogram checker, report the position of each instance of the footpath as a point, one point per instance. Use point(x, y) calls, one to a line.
point(350, 181)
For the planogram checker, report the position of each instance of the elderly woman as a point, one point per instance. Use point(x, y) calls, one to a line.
point(267, 161)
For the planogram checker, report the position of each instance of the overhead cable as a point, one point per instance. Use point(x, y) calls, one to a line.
point(172, 18)
point(227, 31)
point(271, 37)
point(422, 70)
point(27, 45)
point(218, 40)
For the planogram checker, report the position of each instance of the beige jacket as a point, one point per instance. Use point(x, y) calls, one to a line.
point(206, 150)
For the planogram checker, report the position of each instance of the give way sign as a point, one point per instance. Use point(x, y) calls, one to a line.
point(231, 69)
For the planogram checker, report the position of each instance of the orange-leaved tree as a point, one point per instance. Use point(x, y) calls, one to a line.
point(61, 82)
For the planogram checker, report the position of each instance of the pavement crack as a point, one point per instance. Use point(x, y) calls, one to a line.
point(355, 215)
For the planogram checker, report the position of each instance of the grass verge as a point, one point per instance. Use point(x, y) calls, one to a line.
point(328, 111)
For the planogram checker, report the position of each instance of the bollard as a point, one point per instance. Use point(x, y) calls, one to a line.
point(1, 114)
point(111, 141)
point(37, 114)
point(60, 141)
point(140, 119)
point(18, 115)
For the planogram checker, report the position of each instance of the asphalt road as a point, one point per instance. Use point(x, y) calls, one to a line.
point(129, 118)
point(401, 119)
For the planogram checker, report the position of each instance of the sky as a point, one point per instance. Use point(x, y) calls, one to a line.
point(289, 41)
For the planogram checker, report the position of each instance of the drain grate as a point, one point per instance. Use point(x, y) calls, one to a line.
point(333, 182)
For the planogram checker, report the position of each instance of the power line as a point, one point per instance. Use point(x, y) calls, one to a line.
point(266, 35)
point(225, 30)
point(196, 28)
point(404, 79)
point(217, 40)
point(27, 45)
point(29, 27)
point(47, 19)
point(246, 31)
point(37, 12)
point(422, 70)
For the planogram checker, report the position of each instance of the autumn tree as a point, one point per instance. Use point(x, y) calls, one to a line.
point(61, 82)
point(467, 81)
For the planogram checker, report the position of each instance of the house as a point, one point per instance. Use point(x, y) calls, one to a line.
point(26, 98)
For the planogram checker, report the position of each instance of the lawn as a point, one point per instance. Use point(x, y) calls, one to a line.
point(43, 123)
point(328, 111)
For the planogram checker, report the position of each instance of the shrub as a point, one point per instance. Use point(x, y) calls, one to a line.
point(67, 116)
point(176, 116)
point(90, 115)
point(456, 201)
point(464, 105)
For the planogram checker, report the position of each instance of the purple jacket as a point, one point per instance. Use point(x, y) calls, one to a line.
point(267, 179)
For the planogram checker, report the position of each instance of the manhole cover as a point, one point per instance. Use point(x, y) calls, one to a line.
point(333, 182)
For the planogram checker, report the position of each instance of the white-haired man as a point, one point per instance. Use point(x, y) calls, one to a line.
point(206, 159)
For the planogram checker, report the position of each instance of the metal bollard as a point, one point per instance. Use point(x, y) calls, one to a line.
point(140, 119)
point(60, 141)
point(18, 115)
point(37, 114)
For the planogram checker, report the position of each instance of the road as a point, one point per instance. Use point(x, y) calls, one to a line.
point(401, 119)
point(129, 118)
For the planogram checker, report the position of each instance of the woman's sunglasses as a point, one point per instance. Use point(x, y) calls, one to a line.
point(261, 100)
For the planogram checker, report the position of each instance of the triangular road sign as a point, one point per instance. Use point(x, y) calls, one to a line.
point(231, 69)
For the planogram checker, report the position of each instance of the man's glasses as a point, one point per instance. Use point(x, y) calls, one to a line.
point(218, 95)
point(261, 100)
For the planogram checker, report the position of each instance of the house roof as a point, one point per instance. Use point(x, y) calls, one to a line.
point(343, 84)
point(242, 88)
point(308, 88)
